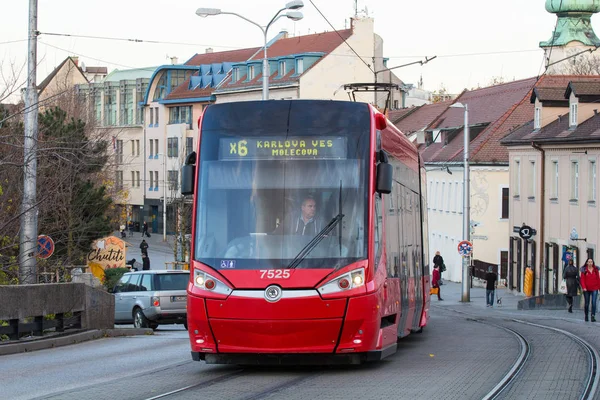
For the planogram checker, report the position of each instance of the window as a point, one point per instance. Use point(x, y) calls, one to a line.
point(532, 178)
point(110, 106)
point(181, 115)
point(235, 75)
point(460, 198)
point(251, 72)
point(378, 229)
point(133, 147)
point(127, 107)
point(156, 148)
point(450, 197)
point(281, 68)
point(537, 123)
point(137, 146)
point(429, 194)
point(98, 104)
point(573, 115)
point(173, 147)
point(151, 148)
point(155, 180)
point(456, 197)
point(435, 195)
point(151, 180)
point(555, 179)
point(299, 66)
point(151, 116)
point(132, 178)
point(517, 179)
point(156, 117)
point(137, 178)
point(396, 105)
point(173, 180)
point(119, 151)
point(504, 204)
point(442, 196)
point(592, 184)
point(119, 183)
point(574, 180)
point(189, 145)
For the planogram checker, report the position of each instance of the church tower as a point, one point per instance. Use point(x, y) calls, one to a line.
point(574, 32)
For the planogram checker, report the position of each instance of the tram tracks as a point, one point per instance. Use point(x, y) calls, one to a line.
point(228, 378)
point(591, 382)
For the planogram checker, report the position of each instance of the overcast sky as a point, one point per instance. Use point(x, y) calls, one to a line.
point(462, 33)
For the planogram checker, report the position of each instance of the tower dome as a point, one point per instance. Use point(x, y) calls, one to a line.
point(574, 22)
point(586, 6)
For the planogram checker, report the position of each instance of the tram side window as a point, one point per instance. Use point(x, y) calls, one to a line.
point(378, 229)
point(392, 227)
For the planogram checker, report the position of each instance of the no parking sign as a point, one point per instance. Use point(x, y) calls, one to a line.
point(465, 248)
point(45, 246)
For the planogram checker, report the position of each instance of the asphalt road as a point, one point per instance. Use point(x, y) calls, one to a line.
point(464, 352)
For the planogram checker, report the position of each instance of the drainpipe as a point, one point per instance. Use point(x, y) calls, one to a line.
point(542, 213)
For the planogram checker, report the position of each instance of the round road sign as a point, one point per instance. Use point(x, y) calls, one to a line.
point(465, 248)
point(45, 246)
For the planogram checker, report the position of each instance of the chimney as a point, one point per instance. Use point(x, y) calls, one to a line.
point(174, 60)
point(75, 60)
point(595, 111)
point(284, 34)
point(559, 118)
point(209, 50)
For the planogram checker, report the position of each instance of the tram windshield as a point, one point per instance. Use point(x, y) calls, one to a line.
point(275, 175)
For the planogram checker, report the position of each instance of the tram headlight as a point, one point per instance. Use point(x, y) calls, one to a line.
point(208, 282)
point(350, 280)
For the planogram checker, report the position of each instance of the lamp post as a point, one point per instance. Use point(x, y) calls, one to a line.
point(466, 273)
point(291, 14)
point(165, 183)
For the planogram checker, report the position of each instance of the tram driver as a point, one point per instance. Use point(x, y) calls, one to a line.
point(302, 222)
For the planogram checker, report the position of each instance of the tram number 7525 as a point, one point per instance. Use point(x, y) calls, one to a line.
point(274, 274)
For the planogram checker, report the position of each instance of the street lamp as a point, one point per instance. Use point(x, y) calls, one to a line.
point(291, 14)
point(165, 182)
point(466, 295)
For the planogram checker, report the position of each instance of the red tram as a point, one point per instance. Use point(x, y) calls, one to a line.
point(309, 234)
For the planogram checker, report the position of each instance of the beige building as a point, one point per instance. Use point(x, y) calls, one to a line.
point(316, 66)
point(554, 183)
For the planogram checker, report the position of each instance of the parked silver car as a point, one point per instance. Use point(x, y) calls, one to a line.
point(150, 298)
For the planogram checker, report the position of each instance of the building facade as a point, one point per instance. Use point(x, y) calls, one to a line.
point(554, 184)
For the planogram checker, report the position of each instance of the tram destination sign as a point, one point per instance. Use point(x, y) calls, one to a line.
point(290, 148)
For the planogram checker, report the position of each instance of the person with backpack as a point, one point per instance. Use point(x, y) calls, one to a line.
point(590, 283)
point(439, 261)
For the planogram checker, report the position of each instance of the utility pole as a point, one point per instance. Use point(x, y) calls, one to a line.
point(29, 222)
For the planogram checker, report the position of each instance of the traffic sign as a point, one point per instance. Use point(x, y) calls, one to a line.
point(465, 248)
point(45, 246)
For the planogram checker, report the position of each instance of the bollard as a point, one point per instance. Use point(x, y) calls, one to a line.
point(528, 282)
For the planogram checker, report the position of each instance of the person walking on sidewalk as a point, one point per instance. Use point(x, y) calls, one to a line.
point(439, 261)
point(435, 281)
point(571, 277)
point(145, 262)
point(145, 229)
point(144, 247)
point(590, 283)
point(490, 286)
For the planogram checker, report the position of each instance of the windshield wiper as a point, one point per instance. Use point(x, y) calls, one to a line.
point(315, 241)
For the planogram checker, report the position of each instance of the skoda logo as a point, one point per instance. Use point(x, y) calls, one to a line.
point(273, 293)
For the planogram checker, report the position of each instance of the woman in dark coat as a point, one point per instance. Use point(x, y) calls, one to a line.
point(571, 276)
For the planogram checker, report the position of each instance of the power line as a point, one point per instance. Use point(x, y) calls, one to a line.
point(14, 41)
point(335, 30)
point(130, 40)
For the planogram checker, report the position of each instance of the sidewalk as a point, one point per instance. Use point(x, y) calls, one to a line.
point(452, 292)
point(159, 252)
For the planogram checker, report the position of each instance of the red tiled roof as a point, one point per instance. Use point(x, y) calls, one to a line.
point(582, 87)
point(490, 149)
point(324, 42)
point(557, 131)
point(486, 106)
point(420, 117)
point(223, 56)
point(316, 43)
point(397, 115)
point(549, 94)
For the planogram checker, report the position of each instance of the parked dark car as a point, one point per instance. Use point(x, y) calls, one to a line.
point(150, 298)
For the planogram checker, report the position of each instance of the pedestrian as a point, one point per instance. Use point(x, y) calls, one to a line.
point(490, 286)
point(439, 261)
point(144, 247)
point(571, 277)
point(130, 226)
point(435, 281)
point(145, 229)
point(590, 283)
point(145, 262)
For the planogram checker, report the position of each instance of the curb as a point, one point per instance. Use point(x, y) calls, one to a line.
point(65, 340)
